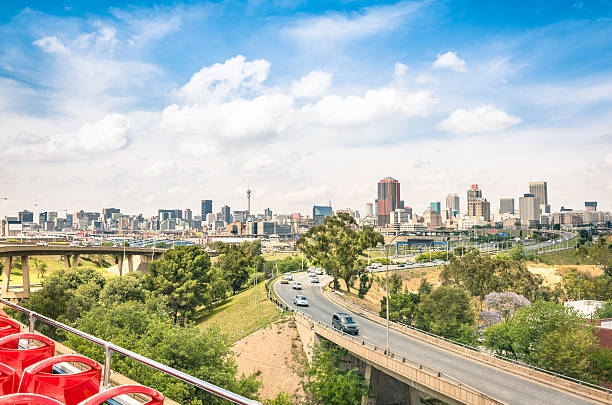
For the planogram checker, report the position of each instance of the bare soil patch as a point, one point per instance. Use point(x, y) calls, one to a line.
point(276, 353)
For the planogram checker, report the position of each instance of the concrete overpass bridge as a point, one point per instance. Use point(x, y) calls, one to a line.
point(71, 256)
point(419, 365)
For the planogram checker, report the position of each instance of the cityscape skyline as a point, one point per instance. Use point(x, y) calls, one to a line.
point(149, 118)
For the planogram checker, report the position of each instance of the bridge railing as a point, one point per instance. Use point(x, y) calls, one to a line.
point(585, 387)
point(110, 349)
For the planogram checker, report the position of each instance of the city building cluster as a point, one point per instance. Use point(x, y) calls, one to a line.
point(388, 214)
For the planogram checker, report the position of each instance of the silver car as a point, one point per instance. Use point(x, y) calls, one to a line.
point(314, 280)
point(300, 301)
point(297, 286)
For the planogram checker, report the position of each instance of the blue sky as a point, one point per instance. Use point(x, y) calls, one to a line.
point(149, 105)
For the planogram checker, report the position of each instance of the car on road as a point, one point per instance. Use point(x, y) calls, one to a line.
point(319, 272)
point(314, 280)
point(345, 323)
point(42, 243)
point(401, 265)
point(297, 285)
point(300, 301)
point(284, 280)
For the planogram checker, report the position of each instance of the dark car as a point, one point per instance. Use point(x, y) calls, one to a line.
point(345, 323)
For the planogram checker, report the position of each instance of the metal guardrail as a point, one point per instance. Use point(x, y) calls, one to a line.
point(110, 348)
point(588, 385)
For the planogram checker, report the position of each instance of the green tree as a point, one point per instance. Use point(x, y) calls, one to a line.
point(403, 307)
point(281, 399)
point(289, 263)
point(183, 275)
point(327, 385)
point(235, 266)
point(336, 246)
point(604, 311)
point(497, 338)
point(445, 310)
point(601, 254)
point(129, 287)
point(365, 283)
point(395, 283)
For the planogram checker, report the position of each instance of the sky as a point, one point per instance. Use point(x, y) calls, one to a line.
point(145, 105)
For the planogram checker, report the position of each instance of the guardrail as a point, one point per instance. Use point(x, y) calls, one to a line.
point(110, 348)
point(561, 381)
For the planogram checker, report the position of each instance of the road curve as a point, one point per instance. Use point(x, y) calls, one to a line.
point(498, 384)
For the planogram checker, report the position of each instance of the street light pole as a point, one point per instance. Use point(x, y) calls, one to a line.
point(387, 288)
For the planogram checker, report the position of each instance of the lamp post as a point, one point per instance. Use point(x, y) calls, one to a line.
point(387, 287)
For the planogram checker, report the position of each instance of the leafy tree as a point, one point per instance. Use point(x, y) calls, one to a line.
point(426, 257)
point(281, 399)
point(289, 263)
point(336, 246)
point(326, 384)
point(604, 311)
point(566, 353)
point(162, 245)
point(445, 310)
point(497, 338)
point(183, 275)
point(395, 283)
point(129, 287)
point(42, 269)
point(235, 267)
point(365, 283)
point(601, 254)
point(506, 303)
point(403, 307)
point(425, 287)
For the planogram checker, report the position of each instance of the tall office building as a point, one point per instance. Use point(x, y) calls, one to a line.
point(206, 208)
point(436, 206)
point(188, 215)
point(506, 205)
point(474, 193)
point(452, 204)
point(529, 206)
point(540, 191)
point(248, 201)
point(42, 218)
point(26, 216)
point(476, 205)
point(319, 212)
point(388, 199)
point(268, 213)
point(226, 214)
point(590, 205)
point(369, 210)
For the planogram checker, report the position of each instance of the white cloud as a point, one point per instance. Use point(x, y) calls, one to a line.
point(160, 168)
point(106, 135)
point(376, 105)
point(234, 77)
point(486, 118)
point(311, 85)
point(51, 45)
point(339, 27)
point(450, 60)
point(607, 161)
point(424, 78)
point(399, 71)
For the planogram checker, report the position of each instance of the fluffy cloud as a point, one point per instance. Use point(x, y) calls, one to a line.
point(51, 45)
point(311, 85)
point(233, 78)
point(376, 105)
point(450, 60)
point(486, 118)
point(607, 161)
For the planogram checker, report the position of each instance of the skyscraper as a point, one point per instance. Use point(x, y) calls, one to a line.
point(388, 199)
point(474, 193)
point(248, 201)
point(540, 191)
point(452, 204)
point(476, 205)
point(529, 206)
point(590, 205)
point(206, 208)
point(369, 210)
point(506, 205)
point(436, 206)
point(319, 212)
point(226, 214)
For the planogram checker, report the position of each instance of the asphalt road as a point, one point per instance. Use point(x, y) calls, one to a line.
point(493, 382)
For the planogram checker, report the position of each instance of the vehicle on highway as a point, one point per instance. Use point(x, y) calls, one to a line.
point(319, 272)
point(300, 301)
point(42, 243)
point(288, 277)
point(401, 265)
point(297, 285)
point(284, 280)
point(345, 323)
point(314, 280)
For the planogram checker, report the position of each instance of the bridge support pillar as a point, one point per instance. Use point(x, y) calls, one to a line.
point(368, 400)
point(67, 261)
point(413, 397)
point(120, 264)
point(130, 261)
point(6, 275)
point(143, 267)
point(25, 273)
point(75, 260)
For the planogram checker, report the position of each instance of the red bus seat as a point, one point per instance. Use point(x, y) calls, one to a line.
point(67, 388)
point(9, 381)
point(19, 359)
point(157, 398)
point(8, 327)
point(28, 399)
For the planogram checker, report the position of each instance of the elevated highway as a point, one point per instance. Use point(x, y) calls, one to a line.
point(71, 256)
point(494, 383)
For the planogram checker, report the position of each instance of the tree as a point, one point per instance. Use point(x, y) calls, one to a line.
point(601, 253)
point(365, 283)
point(281, 399)
point(288, 264)
point(336, 246)
point(445, 310)
point(235, 267)
point(118, 290)
point(183, 275)
point(497, 338)
point(403, 307)
point(506, 303)
point(604, 311)
point(326, 384)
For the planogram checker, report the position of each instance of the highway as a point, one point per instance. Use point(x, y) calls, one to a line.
point(498, 384)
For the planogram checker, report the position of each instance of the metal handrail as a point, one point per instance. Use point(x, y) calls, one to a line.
point(110, 348)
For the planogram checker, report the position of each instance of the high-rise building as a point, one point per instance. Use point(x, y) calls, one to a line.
point(388, 199)
point(369, 210)
point(540, 191)
point(529, 207)
point(452, 204)
point(248, 201)
point(506, 205)
point(474, 193)
point(188, 215)
point(206, 208)
point(42, 218)
point(436, 206)
point(26, 216)
point(268, 213)
point(226, 214)
point(107, 213)
point(479, 208)
point(319, 212)
point(590, 205)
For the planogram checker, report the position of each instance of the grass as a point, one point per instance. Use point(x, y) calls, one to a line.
point(241, 315)
point(565, 257)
